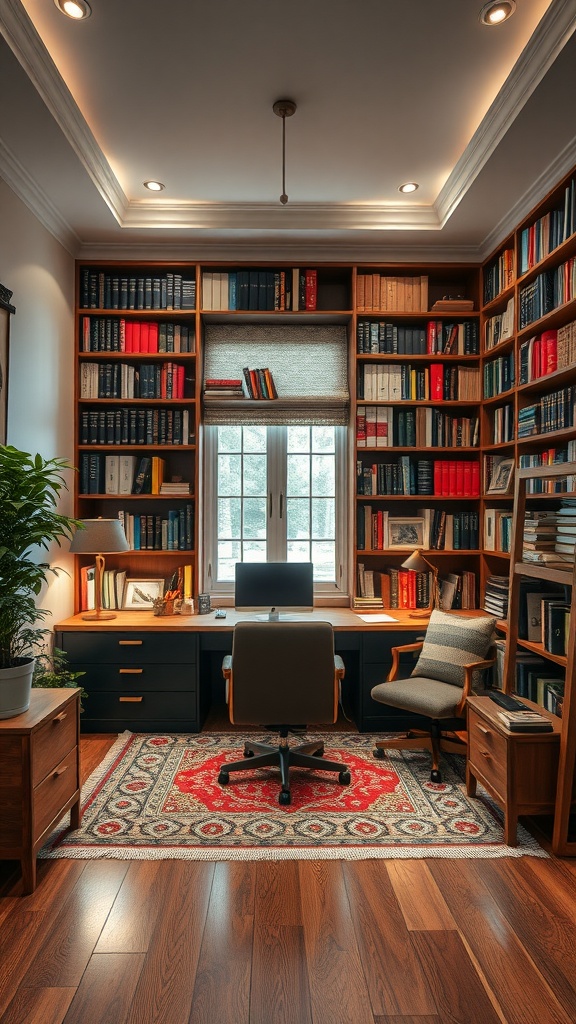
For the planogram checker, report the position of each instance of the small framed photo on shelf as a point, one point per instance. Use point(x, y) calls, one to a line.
point(405, 533)
point(501, 477)
point(140, 595)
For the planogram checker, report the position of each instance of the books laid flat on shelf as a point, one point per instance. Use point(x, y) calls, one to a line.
point(219, 388)
point(525, 721)
point(496, 596)
point(455, 305)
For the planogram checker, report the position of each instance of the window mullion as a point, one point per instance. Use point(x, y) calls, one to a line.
point(276, 488)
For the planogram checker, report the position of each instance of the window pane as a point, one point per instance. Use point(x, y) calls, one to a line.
point(228, 555)
point(229, 474)
point(254, 517)
point(298, 439)
point(297, 518)
point(255, 474)
point(323, 475)
point(298, 551)
point(298, 482)
point(323, 556)
point(254, 552)
point(229, 518)
point(229, 439)
point(254, 438)
point(323, 439)
point(323, 519)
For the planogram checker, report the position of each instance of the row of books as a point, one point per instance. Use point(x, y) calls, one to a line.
point(259, 289)
point(535, 678)
point(101, 290)
point(497, 529)
point(114, 586)
point(385, 426)
point(403, 476)
point(498, 275)
point(498, 375)
point(129, 380)
point(437, 337)
point(383, 293)
point(503, 423)
point(549, 231)
point(130, 425)
point(550, 536)
point(127, 474)
point(432, 529)
point(394, 588)
point(116, 334)
point(171, 531)
point(547, 291)
point(259, 383)
point(439, 382)
point(499, 327)
point(550, 457)
point(555, 411)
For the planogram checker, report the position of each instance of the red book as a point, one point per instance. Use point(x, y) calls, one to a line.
point(453, 477)
point(438, 476)
point(436, 382)
point(361, 427)
point(136, 325)
point(548, 352)
point(128, 336)
point(403, 599)
point(144, 337)
point(459, 489)
point(536, 360)
point(467, 478)
point(411, 589)
point(122, 335)
point(445, 487)
point(475, 479)
point(179, 381)
point(431, 337)
point(311, 289)
point(152, 337)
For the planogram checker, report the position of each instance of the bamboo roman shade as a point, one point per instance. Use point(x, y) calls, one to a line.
point(309, 364)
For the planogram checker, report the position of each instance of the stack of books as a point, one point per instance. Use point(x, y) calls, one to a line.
point(566, 529)
point(223, 388)
point(525, 721)
point(496, 596)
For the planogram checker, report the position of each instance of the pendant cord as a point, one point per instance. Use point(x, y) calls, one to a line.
point(283, 197)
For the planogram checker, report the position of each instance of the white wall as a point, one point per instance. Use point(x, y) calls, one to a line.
point(40, 273)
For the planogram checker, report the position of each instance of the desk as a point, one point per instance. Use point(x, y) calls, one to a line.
point(146, 673)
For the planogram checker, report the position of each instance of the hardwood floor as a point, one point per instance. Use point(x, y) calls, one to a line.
point(290, 942)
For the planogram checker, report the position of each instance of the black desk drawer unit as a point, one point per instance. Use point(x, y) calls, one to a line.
point(146, 682)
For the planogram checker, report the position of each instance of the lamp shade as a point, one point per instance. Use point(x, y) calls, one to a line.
point(416, 563)
point(99, 536)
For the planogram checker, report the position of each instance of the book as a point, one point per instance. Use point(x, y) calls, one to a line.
point(525, 721)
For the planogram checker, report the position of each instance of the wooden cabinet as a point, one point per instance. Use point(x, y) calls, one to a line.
point(136, 679)
point(519, 770)
point(39, 775)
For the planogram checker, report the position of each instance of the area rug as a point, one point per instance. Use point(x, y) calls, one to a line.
point(158, 797)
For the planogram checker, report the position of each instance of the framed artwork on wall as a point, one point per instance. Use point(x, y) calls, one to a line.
point(6, 309)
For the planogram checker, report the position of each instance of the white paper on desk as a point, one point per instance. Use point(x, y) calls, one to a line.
point(381, 617)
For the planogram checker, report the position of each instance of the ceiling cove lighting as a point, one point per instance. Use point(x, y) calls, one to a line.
point(497, 11)
point(284, 109)
point(408, 186)
point(77, 9)
point(154, 186)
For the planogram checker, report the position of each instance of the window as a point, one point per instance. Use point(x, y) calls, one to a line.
point(275, 493)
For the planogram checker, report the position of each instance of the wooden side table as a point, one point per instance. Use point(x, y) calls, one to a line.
point(39, 775)
point(519, 770)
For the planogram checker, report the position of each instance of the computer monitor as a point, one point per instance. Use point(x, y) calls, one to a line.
point(286, 586)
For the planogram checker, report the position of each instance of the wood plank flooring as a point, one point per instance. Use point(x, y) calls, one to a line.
point(293, 942)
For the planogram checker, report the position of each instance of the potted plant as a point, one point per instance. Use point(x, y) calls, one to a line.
point(30, 488)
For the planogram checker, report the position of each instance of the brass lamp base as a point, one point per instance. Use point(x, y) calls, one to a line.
point(98, 616)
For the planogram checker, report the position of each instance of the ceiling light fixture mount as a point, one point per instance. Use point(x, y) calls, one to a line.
point(408, 186)
point(154, 186)
point(497, 11)
point(284, 109)
point(79, 10)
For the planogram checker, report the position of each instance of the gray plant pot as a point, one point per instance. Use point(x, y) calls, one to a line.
point(15, 687)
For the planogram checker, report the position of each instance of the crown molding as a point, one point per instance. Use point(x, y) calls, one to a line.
point(547, 41)
point(26, 188)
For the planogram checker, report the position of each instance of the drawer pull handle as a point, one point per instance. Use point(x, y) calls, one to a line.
point(130, 643)
point(130, 671)
point(486, 755)
point(60, 771)
point(486, 732)
point(130, 700)
point(60, 717)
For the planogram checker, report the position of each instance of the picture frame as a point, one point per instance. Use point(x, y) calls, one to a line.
point(501, 477)
point(140, 595)
point(405, 533)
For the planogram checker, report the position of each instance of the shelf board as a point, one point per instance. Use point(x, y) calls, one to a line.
point(542, 572)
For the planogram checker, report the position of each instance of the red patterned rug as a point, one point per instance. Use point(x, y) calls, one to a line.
point(159, 797)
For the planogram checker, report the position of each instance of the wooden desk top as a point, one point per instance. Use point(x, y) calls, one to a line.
point(342, 619)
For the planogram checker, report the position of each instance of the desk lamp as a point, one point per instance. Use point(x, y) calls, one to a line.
point(417, 563)
point(99, 537)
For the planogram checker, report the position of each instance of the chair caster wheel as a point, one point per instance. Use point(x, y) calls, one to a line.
point(284, 797)
point(319, 753)
point(248, 753)
point(435, 775)
point(345, 778)
point(379, 753)
point(223, 778)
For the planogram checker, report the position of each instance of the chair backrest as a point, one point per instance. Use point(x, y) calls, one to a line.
point(451, 642)
point(283, 673)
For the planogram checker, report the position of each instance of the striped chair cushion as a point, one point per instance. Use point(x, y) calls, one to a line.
point(451, 642)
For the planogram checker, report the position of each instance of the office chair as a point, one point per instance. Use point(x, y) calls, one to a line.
point(452, 655)
point(286, 675)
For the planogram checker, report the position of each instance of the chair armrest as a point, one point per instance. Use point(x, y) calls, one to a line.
point(396, 652)
point(473, 666)
point(339, 667)
point(227, 666)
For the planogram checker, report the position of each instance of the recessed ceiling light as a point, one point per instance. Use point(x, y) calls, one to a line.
point(154, 186)
point(77, 9)
point(497, 11)
point(408, 186)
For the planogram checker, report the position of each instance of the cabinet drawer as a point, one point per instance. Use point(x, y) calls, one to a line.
point(488, 752)
point(129, 647)
point(137, 676)
point(141, 706)
point(53, 741)
point(377, 646)
point(54, 792)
